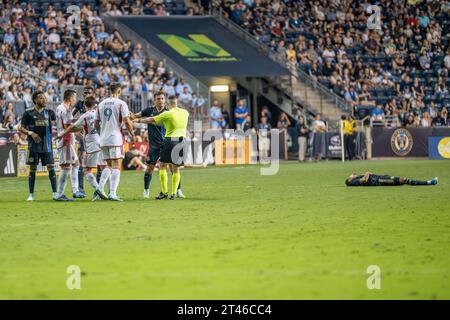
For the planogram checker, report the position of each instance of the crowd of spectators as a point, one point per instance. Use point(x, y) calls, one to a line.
point(39, 38)
point(403, 65)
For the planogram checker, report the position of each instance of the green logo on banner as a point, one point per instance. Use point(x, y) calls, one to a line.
point(198, 45)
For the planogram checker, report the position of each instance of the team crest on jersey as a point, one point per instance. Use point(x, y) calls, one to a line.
point(401, 142)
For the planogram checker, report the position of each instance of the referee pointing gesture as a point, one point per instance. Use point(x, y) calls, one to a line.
point(175, 121)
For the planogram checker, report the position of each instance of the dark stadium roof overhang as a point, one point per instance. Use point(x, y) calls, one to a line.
point(202, 46)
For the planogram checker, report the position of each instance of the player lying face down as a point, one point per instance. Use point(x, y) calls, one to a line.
point(370, 179)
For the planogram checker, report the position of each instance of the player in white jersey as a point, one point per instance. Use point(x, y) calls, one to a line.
point(91, 138)
point(66, 147)
point(111, 114)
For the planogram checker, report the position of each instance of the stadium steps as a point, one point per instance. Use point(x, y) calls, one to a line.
point(300, 88)
point(313, 99)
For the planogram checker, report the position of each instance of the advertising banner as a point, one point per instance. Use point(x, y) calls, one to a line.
point(22, 167)
point(334, 146)
point(439, 148)
point(401, 142)
point(202, 46)
point(8, 160)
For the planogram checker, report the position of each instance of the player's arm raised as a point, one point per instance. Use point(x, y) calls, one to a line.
point(145, 120)
point(135, 115)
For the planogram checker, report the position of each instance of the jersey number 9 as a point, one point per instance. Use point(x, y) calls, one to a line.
point(107, 113)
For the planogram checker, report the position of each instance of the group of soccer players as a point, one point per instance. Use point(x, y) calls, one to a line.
point(103, 140)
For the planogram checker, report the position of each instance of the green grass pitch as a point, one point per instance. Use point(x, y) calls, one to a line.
point(300, 234)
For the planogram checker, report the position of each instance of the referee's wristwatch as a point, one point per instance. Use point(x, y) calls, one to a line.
point(30, 133)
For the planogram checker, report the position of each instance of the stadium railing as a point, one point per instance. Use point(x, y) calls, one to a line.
point(314, 96)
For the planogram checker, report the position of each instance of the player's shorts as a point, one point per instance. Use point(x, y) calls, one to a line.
point(153, 154)
point(92, 160)
point(46, 158)
point(388, 181)
point(166, 152)
point(67, 155)
point(112, 153)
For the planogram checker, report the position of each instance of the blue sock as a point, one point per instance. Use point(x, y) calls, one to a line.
point(31, 181)
point(147, 180)
point(80, 178)
point(52, 177)
point(413, 182)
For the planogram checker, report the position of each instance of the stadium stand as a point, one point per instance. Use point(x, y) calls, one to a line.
point(404, 66)
point(39, 51)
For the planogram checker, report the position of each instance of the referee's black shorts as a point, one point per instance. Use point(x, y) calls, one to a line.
point(175, 157)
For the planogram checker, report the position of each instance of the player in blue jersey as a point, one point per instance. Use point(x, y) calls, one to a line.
point(37, 124)
point(370, 180)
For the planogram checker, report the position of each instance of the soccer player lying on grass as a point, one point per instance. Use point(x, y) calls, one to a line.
point(370, 179)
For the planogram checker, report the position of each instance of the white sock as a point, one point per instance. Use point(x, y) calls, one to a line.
point(92, 181)
point(115, 179)
point(74, 178)
point(109, 184)
point(62, 181)
point(105, 176)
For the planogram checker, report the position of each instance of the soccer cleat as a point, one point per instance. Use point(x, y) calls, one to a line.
point(162, 196)
point(55, 195)
point(146, 194)
point(79, 195)
point(434, 181)
point(114, 198)
point(172, 197)
point(31, 197)
point(63, 198)
point(180, 194)
point(101, 194)
point(95, 198)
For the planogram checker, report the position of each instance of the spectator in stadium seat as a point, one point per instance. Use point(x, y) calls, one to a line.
point(240, 113)
point(19, 139)
point(295, 22)
point(185, 98)
point(377, 114)
point(9, 37)
point(439, 121)
point(9, 124)
point(426, 120)
point(168, 88)
point(181, 85)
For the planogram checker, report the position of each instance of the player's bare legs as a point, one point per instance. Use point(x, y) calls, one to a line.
point(137, 162)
